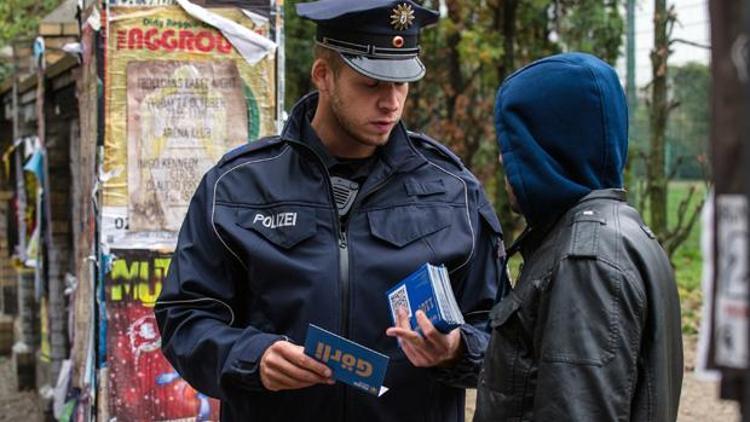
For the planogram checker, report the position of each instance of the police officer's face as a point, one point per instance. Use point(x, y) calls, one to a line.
point(366, 109)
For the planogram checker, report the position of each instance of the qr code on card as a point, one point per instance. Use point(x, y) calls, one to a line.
point(399, 298)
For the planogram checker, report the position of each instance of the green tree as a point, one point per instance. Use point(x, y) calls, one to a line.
point(300, 39)
point(19, 19)
point(656, 177)
point(475, 47)
point(661, 109)
point(685, 139)
point(594, 26)
point(687, 129)
point(688, 126)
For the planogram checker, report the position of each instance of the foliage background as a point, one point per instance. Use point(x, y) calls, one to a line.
point(19, 20)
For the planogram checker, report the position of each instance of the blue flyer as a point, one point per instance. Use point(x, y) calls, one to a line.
point(350, 362)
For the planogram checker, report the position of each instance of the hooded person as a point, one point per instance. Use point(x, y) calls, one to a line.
point(591, 330)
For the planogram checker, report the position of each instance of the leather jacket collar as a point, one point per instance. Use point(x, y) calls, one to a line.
point(531, 237)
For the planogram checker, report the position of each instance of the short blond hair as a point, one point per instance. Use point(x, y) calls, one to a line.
point(331, 57)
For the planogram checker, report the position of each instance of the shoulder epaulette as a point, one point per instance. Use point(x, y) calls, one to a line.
point(258, 145)
point(445, 152)
point(585, 241)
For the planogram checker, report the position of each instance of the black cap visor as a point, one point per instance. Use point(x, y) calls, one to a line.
point(408, 69)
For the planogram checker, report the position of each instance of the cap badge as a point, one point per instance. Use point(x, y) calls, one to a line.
point(398, 41)
point(402, 17)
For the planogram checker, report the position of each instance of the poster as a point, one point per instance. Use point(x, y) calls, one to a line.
point(142, 384)
point(142, 2)
point(238, 3)
point(731, 307)
point(178, 96)
point(178, 119)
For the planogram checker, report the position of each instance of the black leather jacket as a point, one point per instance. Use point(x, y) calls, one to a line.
point(591, 331)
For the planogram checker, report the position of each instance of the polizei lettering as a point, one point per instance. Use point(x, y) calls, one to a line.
point(284, 219)
point(154, 39)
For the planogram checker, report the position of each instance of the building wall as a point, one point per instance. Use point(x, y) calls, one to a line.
point(61, 114)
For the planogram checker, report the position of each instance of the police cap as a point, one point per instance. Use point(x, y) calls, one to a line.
point(377, 38)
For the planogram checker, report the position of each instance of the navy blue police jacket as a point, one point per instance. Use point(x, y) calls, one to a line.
point(262, 253)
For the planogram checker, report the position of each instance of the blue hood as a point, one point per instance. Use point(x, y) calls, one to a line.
point(562, 126)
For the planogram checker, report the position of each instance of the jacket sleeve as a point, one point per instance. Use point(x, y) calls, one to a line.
point(588, 339)
point(203, 336)
point(476, 286)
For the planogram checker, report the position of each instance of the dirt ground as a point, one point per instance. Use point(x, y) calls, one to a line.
point(16, 406)
point(699, 402)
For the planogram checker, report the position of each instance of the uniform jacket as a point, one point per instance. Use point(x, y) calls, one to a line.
point(262, 254)
point(591, 331)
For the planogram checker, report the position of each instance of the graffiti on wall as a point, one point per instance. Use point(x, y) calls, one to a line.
point(142, 384)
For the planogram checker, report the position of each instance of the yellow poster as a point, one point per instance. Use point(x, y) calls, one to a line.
point(178, 96)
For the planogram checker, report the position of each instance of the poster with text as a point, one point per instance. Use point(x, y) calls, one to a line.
point(143, 386)
point(178, 121)
point(178, 96)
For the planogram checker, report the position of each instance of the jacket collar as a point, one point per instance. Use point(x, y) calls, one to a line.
point(616, 194)
point(398, 153)
point(532, 237)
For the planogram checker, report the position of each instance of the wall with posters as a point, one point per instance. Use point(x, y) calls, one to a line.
point(160, 97)
point(178, 96)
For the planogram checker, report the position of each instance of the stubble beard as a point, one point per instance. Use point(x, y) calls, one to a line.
point(349, 127)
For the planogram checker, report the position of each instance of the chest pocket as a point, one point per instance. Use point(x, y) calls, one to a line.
point(509, 362)
point(426, 188)
point(403, 225)
point(283, 226)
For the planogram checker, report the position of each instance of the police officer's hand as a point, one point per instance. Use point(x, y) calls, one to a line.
point(285, 366)
point(432, 348)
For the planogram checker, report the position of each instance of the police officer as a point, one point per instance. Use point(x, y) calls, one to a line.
point(315, 225)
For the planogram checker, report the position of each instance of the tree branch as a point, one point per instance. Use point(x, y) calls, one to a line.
point(678, 163)
point(688, 42)
point(679, 236)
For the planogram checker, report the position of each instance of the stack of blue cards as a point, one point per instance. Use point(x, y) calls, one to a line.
point(350, 362)
point(428, 289)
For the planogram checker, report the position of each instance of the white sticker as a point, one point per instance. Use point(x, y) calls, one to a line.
point(731, 318)
point(116, 233)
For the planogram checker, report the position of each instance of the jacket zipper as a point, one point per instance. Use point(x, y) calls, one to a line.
point(343, 240)
point(344, 276)
point(344, 273)
point(344, 256)
point(343, 246)
point(343, 251)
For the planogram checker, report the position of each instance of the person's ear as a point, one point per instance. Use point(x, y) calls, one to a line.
point(320, 74)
